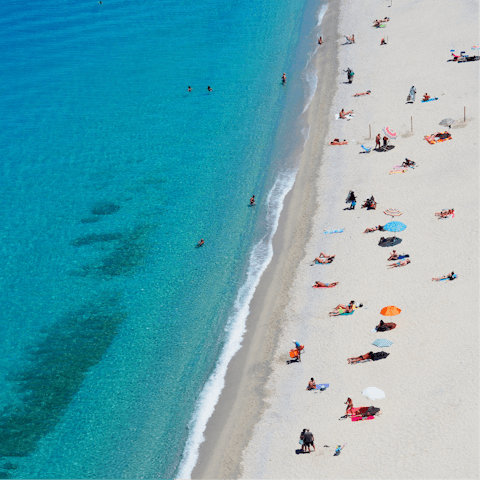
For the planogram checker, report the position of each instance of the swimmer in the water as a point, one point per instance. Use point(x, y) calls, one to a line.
point(284, 78)
point(209, 88)
point(252, 201)
point(200, 243)
point(189, 88)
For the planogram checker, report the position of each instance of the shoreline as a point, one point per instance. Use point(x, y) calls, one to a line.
point(244, 395)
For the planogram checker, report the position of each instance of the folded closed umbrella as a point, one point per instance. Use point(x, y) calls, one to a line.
point(394, 227)
point(390, 311)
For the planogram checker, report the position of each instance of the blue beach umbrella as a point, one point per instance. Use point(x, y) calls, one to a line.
point(382, 342)
point(395, 227)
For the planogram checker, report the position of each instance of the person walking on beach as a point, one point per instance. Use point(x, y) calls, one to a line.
point(302, 439)
point(377, 142)
point(413, 91)
point(308, 440)
point(350, 74)
point(349, 405)
point(252, 201)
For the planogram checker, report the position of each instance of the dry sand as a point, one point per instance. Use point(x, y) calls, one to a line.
point(429, 426)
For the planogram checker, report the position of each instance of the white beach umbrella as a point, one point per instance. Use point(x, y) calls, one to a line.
point(373, 393)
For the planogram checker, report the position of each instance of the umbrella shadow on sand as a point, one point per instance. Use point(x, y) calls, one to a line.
point(389, 242)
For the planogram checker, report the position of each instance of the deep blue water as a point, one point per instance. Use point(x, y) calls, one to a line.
point(112, 321)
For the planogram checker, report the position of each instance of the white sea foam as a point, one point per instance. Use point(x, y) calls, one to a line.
point(310, 74)
point(260, 257)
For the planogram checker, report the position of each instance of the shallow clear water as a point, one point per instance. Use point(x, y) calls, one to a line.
point(112, 320)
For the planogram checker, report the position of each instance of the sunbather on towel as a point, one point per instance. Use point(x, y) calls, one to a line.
point(378, 227)
point(385, 327)
point(450, 276)
point(341, 309)
point(368, 92)
point(395, 256)
point(325, 285)
point(343, 113)
point(336, 141)
point(445, 213)
point(426, 97)
point(370, 203)
point(408, 163)
point(361, 358)
point(400, 264)
point(323, 258)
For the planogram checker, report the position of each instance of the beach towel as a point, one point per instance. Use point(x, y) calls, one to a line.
point(338, 230)
point(346, 313)
point(318, 286)
point(453, 277)
point(397, 171)
point(322, 386)
point(347, 117)
point(430, 100)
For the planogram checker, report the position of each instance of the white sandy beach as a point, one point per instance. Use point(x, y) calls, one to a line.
point(429, 426)
point(429, 422)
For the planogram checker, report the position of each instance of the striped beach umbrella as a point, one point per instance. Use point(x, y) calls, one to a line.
point(390, 133)
point(393, 212)
point(382, 343)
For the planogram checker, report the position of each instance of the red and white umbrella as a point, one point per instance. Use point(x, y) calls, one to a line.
point(390, 133)
point(393, 212)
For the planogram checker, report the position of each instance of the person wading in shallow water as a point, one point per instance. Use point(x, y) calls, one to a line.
point(252, 201)
point(284, 78)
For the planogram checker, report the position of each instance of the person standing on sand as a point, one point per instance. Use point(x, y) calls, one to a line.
point(302, 439)
point(385, 141)
point(413, 91)
point(349, 405)
point(308, 440)
point(377, 141)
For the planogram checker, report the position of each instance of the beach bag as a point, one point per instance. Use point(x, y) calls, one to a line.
point(300, 442)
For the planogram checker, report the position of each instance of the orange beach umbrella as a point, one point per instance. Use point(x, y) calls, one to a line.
point(390, 311)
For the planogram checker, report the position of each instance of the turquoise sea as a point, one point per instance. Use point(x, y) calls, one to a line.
point(116, 330)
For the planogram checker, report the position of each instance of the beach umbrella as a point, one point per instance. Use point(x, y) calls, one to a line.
point(394, 227)
point(390, 133)
point(447, 122)
point(382, 342)
point(390, 311)
point(393, 212)
point(373, 393)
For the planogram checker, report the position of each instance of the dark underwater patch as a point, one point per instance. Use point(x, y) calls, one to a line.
point(105, 208)
point(55, 370)
point(96, 238)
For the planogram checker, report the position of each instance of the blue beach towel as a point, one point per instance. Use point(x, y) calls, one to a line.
point(454, 276)
point(322, 386)
point(338, 230)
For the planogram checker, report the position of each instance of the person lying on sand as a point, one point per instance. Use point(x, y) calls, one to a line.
point(311, 384)
point(343, 113)
point(377, 23)
point(325, 285)
point(445, 213)
point(426, 97)
point(368, 92)
point(323, 258)
point(341, 309)
point(385, 327)
point(367, 356)
point(336, 141)
point(378, 227)
point(395, 256)
point(450, 276)
point(408, 163)
point(400, 264)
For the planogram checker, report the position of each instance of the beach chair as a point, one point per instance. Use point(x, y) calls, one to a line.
point(366, 150)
